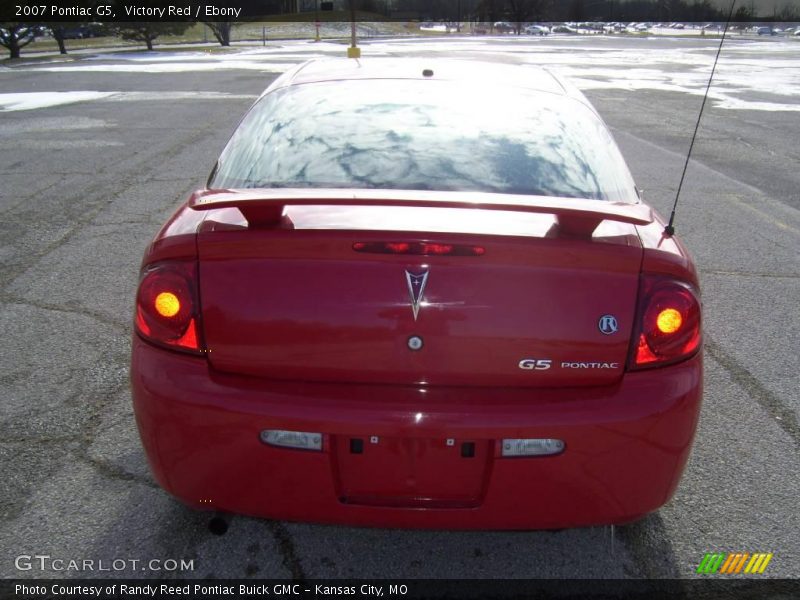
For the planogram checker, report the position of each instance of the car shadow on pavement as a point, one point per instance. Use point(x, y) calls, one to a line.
point(649, 547)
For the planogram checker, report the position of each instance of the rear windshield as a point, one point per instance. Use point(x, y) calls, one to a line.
point(424, 135)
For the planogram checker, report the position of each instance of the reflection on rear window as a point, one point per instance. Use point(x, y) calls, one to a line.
point(424, 135)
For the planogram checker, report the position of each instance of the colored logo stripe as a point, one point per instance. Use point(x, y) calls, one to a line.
point(711, 562)
point(758, 564)
point(734, 562)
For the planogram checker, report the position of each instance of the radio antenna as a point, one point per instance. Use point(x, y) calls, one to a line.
point(670, 228)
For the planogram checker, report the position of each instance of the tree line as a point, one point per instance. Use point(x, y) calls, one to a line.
point(16, 35)
point(583, 10)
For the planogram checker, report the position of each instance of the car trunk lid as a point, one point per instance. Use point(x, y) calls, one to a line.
point(305, 301)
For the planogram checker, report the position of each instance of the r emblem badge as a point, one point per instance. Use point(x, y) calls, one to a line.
point(608, 324)
point(416, 289)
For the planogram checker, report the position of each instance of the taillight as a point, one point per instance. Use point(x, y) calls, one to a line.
point(668, 329)
point(167, 305)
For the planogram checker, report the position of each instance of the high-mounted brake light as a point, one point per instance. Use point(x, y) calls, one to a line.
point(419, 248)
point(669, 323)
point(166, 305)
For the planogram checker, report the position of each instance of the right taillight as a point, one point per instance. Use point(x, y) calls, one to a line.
point(668, 328)
point(167, 307)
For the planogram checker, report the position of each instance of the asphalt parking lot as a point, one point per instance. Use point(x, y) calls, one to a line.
point(86, 180)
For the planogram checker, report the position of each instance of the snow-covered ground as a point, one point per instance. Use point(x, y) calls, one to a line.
point(751, 74)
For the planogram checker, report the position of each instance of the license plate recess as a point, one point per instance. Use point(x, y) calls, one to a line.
point(411, 472)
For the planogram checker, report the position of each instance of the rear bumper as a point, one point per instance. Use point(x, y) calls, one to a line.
point(626, 445)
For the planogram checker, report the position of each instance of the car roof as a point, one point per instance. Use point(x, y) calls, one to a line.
point(529, 77)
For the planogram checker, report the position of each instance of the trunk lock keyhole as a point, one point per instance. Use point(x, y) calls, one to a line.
point(415, 343)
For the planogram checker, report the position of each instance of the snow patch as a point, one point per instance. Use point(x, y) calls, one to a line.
point(173, 67)
point(33, 100)
point(161, 96)
point(592, 62)
point(50, 124)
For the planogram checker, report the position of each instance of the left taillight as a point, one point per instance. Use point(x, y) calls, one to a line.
point(167, 306)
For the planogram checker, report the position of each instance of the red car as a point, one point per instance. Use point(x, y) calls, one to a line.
point(419, 294)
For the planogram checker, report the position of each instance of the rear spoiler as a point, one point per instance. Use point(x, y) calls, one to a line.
point(575, 216)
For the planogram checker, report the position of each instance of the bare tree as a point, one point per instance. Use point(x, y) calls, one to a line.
point(518, 10)
point(60, 31)
point(577, 10)
point(221, 31)
point(522, 11)
point(15, 36)
point(789, 13)
point(147, 32)
point(743, 14)
point(490, 10)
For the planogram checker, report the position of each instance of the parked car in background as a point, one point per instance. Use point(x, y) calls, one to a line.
point(70, 31)
point(76, 32)
point(536, 30)
point(564, 29)
point(503, 27)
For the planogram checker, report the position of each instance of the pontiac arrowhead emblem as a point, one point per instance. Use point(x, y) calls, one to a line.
point(416, 288)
